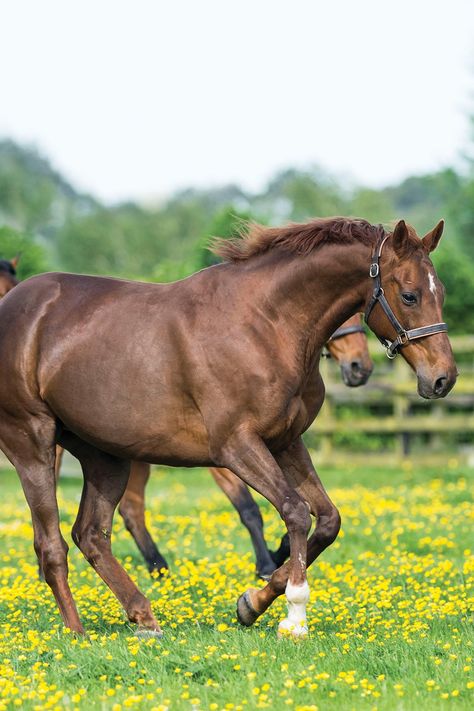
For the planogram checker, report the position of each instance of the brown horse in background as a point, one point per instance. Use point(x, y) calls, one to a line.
point(216, 370)
point(8, 277)
point(348, 347)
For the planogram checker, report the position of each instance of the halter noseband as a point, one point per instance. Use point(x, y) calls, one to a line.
point(404, 335)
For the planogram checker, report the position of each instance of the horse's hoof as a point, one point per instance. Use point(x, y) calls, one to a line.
point(293, 630)
point(146, 632)
point(246, 614)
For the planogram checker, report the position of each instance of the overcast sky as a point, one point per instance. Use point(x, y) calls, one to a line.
point(134, 99)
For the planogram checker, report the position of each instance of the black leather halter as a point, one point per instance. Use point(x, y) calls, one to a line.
point(404, 335)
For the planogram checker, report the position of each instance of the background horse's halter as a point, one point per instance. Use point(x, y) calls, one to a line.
point(340, 333)
point(404, 335)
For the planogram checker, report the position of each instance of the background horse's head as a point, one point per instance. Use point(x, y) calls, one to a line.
point(8, 275)
point(415, 296)
point(348, 346)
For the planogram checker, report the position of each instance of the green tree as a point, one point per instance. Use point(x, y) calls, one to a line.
point(373, 205)
point(302, 194)
point(33, 196)
point(457, 274)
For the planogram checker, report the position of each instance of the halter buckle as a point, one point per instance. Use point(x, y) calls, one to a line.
point(374, 270)
point(403, 338)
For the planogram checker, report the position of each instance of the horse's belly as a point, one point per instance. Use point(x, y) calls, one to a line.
point(163, 443)
point(150, 426)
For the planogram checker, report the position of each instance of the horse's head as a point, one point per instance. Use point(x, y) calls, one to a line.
point(8, 275)
point(348, 346)
point(405, 311)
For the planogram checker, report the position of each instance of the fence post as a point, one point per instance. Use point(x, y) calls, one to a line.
point(401, 410)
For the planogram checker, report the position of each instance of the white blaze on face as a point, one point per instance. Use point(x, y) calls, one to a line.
point(432, 282)
point(297, 597)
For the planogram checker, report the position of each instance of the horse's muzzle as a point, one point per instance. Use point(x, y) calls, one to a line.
point(354, 373)
point(434, 388)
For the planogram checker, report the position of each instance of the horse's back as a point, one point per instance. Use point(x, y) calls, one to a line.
point(106, 357)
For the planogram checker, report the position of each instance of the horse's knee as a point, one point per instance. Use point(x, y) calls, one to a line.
point(52, 557)
point(296, 515)
point(328, 527)
point(90, 541)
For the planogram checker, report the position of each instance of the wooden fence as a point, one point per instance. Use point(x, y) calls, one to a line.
point(389, 408)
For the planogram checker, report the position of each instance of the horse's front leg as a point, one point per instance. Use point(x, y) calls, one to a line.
point(247, 456)
point(300, 474)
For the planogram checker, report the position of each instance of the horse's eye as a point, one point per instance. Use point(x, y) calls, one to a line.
point(409, 299)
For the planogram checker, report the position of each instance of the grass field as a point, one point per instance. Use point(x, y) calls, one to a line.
point(391, 624)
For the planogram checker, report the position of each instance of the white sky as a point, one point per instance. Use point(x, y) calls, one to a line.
point(133, 99)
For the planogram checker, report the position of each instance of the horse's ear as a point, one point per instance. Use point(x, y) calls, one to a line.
point(431, 239)
point(400, 239)
point(14, 261)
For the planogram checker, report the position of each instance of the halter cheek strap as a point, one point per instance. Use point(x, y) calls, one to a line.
point(404, 335)
point(346, 331)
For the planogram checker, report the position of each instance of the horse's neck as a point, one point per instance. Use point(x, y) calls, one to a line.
point(313, 295)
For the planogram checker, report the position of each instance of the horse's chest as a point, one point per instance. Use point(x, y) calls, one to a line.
point(292, 421)
point(298, 413)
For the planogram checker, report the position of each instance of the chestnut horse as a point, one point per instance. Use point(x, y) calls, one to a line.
point(215, 370)
point(348, 346)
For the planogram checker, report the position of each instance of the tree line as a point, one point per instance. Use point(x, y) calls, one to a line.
point(55, 226)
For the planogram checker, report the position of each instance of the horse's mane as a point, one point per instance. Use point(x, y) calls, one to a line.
point(6, 266)
point(294, 238)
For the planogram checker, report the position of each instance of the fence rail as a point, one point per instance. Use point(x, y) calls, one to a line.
point(446, 426)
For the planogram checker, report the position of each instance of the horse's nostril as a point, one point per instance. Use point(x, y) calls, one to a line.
point(355, 367)
point(440, 385)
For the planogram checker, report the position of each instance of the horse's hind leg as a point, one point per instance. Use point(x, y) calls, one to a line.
point(105, 479)
point(33, 457)
point(249, 512)
point(282, 553)
point(132, 510)
point(58, 462)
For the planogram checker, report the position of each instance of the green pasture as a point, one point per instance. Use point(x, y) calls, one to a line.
point(391, 624)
